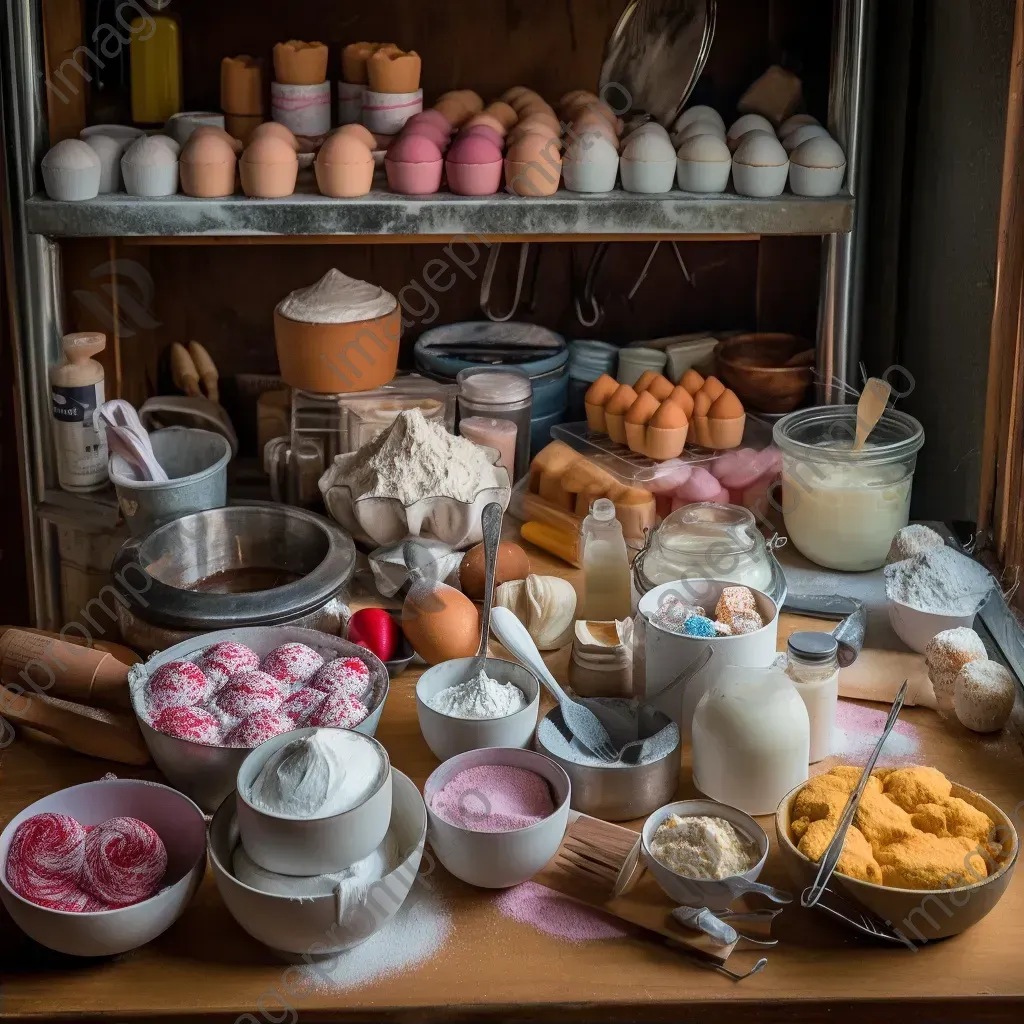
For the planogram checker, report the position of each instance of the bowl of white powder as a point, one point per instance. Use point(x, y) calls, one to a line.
point(691, 846)
point(495, 708)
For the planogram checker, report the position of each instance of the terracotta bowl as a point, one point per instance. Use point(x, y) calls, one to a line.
point(754, 366)
point(921, 915)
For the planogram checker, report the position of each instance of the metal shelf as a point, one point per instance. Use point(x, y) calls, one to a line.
point(383, 213)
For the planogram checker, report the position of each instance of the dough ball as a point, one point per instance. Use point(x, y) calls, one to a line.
point(983, 695)
point(946, 654)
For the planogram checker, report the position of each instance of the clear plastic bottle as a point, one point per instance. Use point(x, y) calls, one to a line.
point(606, 579)
point(813, 666)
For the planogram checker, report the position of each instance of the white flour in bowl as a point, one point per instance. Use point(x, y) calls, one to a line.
point(941, 581)
point(479, 697)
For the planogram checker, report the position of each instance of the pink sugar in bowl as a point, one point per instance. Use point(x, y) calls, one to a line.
point(474, 166)
point(413, 164)
point(497, 815)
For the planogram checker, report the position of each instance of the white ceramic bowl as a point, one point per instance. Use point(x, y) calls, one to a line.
point(921, 915)
point(291, 845)
point(915, 628)
point(310, 927)
point(208, 774)
point(122, 132)
point(497, 860)
point(701, 892)
point(665, 652)
point(381, 521)
point(177, 821)
point(447, 736)
point(181, 126)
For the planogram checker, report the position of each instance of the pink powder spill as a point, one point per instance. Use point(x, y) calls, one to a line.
point(857, 731)
point(557, 915)
point(494, 798)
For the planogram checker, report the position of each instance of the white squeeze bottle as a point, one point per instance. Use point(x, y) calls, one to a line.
point(76, 391)
point(606, 581)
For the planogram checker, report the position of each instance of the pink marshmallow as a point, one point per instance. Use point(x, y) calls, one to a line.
point(701, 486)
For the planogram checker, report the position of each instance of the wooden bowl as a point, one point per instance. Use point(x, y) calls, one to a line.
point(754, 366)
point(921, 915)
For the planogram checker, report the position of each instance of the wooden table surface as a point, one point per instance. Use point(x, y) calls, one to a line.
point(492, 967)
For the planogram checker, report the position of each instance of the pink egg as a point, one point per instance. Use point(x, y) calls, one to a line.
point(413, 149)
point(474, 149)
point(737, 469)
point(431, 117)
point(484, 132)
point(666, 483)
point(428, 131)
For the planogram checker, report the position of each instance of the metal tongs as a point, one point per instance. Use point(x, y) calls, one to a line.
point(818, 894)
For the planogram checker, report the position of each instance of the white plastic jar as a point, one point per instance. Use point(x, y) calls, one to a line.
point(843, 508)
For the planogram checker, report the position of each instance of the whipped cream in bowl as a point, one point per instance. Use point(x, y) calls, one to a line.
point(337, 299)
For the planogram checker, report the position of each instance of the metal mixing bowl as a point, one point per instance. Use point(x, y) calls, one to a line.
point(618, 792)
point(258, 564)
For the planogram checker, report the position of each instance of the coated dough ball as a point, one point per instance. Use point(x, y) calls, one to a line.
point(946, 654)
point(983, 695)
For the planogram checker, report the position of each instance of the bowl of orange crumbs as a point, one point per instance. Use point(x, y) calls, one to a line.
point(923, 853)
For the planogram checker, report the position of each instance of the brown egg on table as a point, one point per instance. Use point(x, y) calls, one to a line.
point(683, 399)
point(596, 398)
point(269, 168)
point(643, 382)
point(699, 433)
point(661, 387)
point(636, 419)
point(344, 166)
point(692, 381)
point(299, 63)
point(615, 412)
point(219, 133)
point(533, 165)
point(207, 166)
point(666, 432)
point(726, 419)
point(353, 61)
point(501, 111)
point(360, 132)
point(275, 130)
point(512, 564)
point(713, 388)
point(440, 623)
point(522, 98)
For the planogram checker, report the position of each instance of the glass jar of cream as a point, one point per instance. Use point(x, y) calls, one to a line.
point(842, 508)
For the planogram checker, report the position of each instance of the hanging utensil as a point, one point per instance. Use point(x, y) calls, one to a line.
point(488, 280)
point(588, 310)
point(873, 400)
point(656, 54)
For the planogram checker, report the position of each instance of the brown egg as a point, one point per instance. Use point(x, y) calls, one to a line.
point(536, 120)
point(683, 399)
point(692, 381)
point(512, 94)
point(620, 402)
point(575, 98)
point(645, 406)
point(701, 405)
point(643, 382)
point(219, 133)
point(344, 166)
point(512, 564)
point(440, 623)
point(726, 407)
point(533, 165)
point(669, 416)
point(660, 387)
point(207, 166)
point(601, 390)
point(489, 121)
point(269, 168)
point(524, 99)
point(501, 111)
point(274, 129)
point(713, 387)
point(360, 132)
point(587, 122)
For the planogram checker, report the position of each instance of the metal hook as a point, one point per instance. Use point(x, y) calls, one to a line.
point(488, 279)
point(647, 266)
point(596, 312)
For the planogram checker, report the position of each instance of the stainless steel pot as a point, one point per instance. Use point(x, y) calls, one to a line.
point(258, 564)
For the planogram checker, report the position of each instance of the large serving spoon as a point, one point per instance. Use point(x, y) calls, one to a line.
point(873, 400)
point(490, 524)
point(584, 725)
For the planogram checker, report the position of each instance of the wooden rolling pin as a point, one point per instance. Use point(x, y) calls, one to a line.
point(62, 668)
point(91, 731)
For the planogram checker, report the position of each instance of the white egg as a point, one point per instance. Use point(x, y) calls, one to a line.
point(792, 123)
point(704, 148)
point(760, 149)
point(590, 164)
point(747, 123)
point(817, 167)
point(150, 166)
point(759, 165)
point(699, 112)
point(648, 162)
point(71, 171)
point(697, 128)
point(800, 135)
point(819, 151)
point(703, 165)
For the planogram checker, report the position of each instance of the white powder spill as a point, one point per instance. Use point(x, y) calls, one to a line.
point(412, 937)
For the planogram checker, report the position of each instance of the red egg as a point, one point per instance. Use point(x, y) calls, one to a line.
point(413, 149)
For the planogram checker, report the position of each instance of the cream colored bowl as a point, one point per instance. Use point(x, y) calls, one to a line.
point(921, 915)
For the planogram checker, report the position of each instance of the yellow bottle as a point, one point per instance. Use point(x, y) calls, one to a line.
point(155, 67)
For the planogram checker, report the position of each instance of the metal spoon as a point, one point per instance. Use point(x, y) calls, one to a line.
point(585, 726)
point(490, 523)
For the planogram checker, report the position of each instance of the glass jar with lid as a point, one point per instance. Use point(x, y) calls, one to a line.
point(708, 541)
point(495, 408)
point(842, 508)
point(813, 664)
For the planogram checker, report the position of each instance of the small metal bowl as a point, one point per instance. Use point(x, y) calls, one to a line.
point(616, 792)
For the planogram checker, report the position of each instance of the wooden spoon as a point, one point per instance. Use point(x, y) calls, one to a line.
point(873, 401)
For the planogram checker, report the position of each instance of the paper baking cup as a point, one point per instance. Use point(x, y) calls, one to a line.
point(385, 113)
point(305, 109)
point(350, 102)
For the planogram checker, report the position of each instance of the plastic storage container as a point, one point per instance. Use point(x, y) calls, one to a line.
point(498, 393)
point(587, 361)
point(155, 59)
point(843, 508)
point(634, 361)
